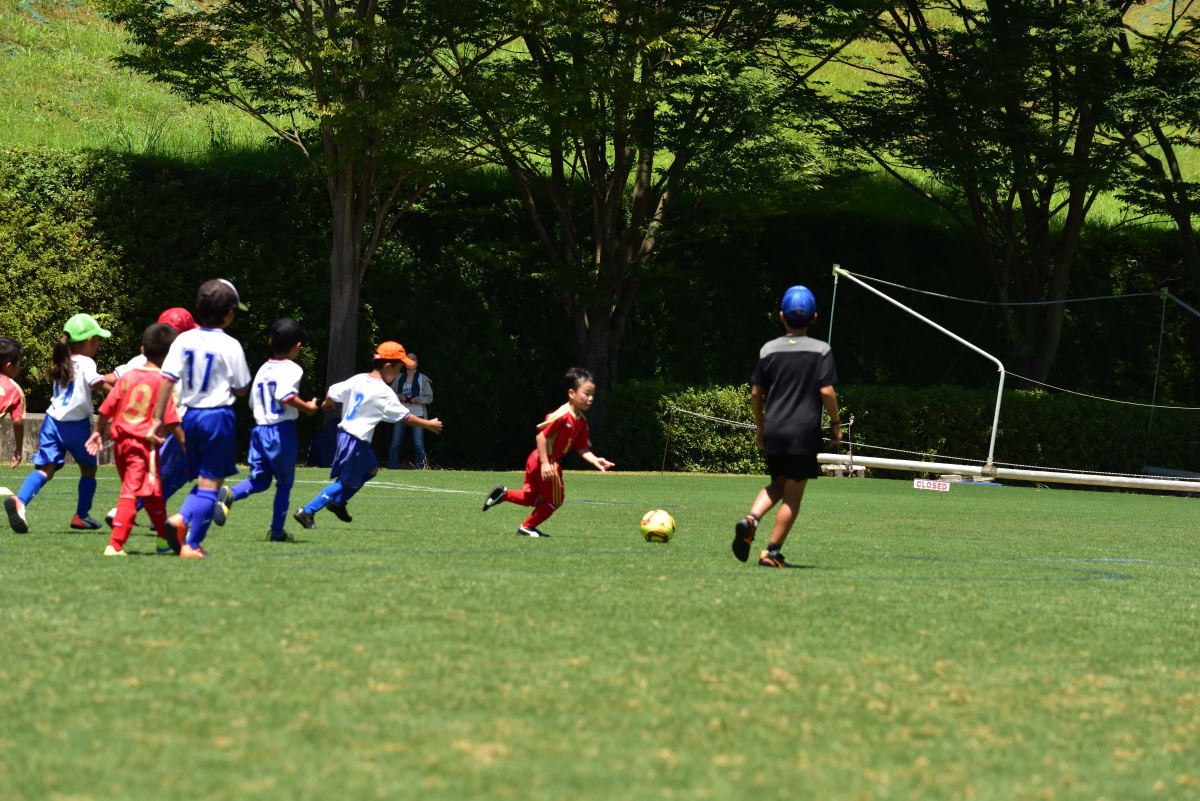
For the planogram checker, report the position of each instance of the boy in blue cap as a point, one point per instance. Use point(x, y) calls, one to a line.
point(792, 380)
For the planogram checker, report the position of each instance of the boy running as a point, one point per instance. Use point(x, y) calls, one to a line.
point(793, 378)
point(210, 368)
point(130, 408)
point(564, 430)
point(276, 402)
point(367, 400)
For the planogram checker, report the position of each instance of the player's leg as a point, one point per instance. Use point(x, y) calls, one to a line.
point(87, 495)
point(49, 458)
point(531, 492)
point(282, 464)
point(550, 497)
point(785, 518)
point(215, 445)
point(745, 529)
point(260, 462)
point(122, 522)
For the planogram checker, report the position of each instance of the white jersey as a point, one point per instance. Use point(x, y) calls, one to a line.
point(132, 364)
point(275, 383)
point(74, 401)
point(366, 402)
point(209, 365)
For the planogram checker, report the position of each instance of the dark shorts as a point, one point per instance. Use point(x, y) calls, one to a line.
point(796, 466)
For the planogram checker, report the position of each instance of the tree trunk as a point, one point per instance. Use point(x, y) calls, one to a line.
point(345, 283)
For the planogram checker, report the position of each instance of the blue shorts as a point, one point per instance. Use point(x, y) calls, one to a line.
point(58, 438)
point(273, 451)
point(210, 441)
point(353, 461)
point(172, 463)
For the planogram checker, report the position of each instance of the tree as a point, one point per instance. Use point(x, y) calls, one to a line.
point(1155, 113)
point(608, 115)
point(350, 83)
point(999, 103)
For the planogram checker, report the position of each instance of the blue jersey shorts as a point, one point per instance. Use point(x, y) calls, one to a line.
point(273, 452)
point(353, 461)
point(58, 438)
point(210, 442)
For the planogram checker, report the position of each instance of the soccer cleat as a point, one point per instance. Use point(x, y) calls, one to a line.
point(743, 535)
point(176, 535)
point(530, 531)
point(163, 545)
point(223, 505)
point(85, 523)
point(768, 559)
point(110, 516)
point(495, 496)
point(279, 536)
point(111, 551)
point(16, 514)
point(304, 518)
point(339, 511)
point(188, 552)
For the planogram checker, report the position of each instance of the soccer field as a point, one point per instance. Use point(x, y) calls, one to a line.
point(989, 643)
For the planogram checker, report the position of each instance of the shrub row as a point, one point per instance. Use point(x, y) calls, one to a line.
point(648, 420)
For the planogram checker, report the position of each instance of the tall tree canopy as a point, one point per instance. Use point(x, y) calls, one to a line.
point(999, 102)
point(351, 83)
point(608, 115)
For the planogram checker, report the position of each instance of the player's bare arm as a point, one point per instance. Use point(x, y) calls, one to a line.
point(308, 407)
point(599, 462)
point(758, 401)
point(433, 424)
point(829, 399)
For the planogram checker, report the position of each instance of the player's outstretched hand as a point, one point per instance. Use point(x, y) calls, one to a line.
point(604, 465)
point(15, 462)
point(435, 425)
point(94, 443)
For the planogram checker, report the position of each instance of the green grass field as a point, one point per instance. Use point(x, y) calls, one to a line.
point(988, 643)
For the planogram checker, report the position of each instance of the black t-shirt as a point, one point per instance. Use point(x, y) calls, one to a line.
point(791, 370)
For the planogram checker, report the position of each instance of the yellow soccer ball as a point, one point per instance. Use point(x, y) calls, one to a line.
point(657, 526)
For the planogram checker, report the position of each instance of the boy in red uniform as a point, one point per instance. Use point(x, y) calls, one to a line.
point(12, 399)
point(130, 406)
point(564, 430)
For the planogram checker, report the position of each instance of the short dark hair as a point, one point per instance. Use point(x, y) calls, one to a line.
point(214, 300)
point(285, 334)
point(156, 341)
point(576, 377)
point(10, 351)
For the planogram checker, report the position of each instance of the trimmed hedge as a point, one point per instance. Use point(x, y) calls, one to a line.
point(1037, 428)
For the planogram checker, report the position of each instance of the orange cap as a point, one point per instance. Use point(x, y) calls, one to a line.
point(393, 351)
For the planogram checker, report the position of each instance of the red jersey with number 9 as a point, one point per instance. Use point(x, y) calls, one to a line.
point(131, 403)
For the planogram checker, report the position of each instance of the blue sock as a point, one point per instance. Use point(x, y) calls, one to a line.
point(205, 500)
point(283, 500)
point(250, 486)
point(191, 504)
point(31, 486)
point(87, 493)
point(349, 492)
point(330, 494)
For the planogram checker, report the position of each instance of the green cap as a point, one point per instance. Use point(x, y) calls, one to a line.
point(84, 326)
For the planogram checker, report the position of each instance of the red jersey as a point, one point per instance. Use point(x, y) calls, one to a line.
point(565, 431)
point(12, 399)
point(130, 404)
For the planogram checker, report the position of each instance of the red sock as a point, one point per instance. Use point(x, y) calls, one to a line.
point(522, 497)
point(126, 511)
point(539, 515)
point(156, 508)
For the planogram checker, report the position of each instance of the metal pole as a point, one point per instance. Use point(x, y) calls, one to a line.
point(667, 441)
point(833, 304)
point(999, 365)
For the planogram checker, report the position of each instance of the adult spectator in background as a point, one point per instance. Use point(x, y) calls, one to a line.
point(415, 391)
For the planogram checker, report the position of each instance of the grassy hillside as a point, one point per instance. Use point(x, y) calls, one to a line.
point(58, 88)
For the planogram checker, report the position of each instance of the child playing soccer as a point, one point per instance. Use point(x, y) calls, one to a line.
point(565, 429)
point(367, 400)
point(210, 368)
point(276, 402)
point(67, 424)
point(12, 398)
point(793, 378)
point(129, 407)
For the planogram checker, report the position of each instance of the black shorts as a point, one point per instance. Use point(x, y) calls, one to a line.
point(795, 466)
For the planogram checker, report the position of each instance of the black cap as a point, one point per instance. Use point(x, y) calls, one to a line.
point(286, 333)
